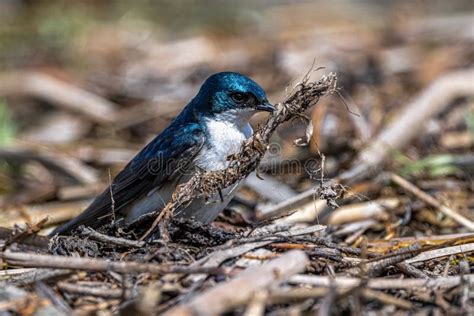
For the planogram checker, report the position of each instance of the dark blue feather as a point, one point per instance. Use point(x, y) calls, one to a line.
point(170, 154)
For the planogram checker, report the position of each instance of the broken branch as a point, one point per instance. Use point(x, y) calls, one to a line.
point(239, 290)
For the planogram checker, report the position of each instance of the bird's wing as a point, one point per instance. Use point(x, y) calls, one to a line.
point(163, 159)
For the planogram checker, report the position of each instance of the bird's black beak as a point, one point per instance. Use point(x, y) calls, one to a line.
point(267, 107)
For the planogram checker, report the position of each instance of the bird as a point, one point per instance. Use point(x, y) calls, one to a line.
point(210, 128)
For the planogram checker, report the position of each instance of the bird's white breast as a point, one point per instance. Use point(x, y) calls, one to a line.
point(223, 139)
point(224, 136)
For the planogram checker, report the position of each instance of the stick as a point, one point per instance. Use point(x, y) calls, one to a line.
point(428, 199)
point(33, 275)
point(65, 165)
point(58, 93)
point(256, 306)
point(377, 209)
point(93, 291)
point(269, 188)
point(284, 234)
point(240, 290)
point(216, 258)
point(411, 270)
point(260, 237)
point(387, 299)
point(88, 264)
point(281, 296)
point(89, 232)
point(434, 239)
point(56, 212)
point(32, 240)
point(376, 268)
point(443, 252)
point(383, 283)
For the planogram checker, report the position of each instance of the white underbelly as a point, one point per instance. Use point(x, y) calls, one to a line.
point(224, 140)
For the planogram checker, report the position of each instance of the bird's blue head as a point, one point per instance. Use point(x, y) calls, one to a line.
point(230, 92)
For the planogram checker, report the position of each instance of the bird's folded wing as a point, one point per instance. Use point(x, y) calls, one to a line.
point(164, 159)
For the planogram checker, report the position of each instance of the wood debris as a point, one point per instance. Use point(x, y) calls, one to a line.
point(361, 204)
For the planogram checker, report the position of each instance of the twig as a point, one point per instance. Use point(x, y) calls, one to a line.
point(411, 270)
point(280, 296)
point(305, 95)
point(14, 300)
point(382, 245)
point(443, 252)
point(298, 201)
point(260, 238)
point(89, 232)
point(88, 264)
point(57, 212)
point(345, 249)
point(284, 295)
point(256, 306)
point(376, 268)
point(384, 283)
point(218, 257)
point(376, 209)
point(239, 290)
point(428, 199)
point(64, 165)
point(269, 187)
point(55, 298)
point(327, 302)
point(58, 93)
point(19, 235)
point(361, 125)
point(76, 192)
point(387, 299)
point(93, 291)
point(112, 200)
point(284, 234)
point(34, 275)
point(32, 240)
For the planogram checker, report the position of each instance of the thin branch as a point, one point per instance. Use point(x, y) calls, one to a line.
point(428, 199)
point(383, 283)
point(58, 93)
point(238, 291)
point(24, 259)
point(89, 232)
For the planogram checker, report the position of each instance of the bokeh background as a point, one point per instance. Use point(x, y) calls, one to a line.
point(85, 84)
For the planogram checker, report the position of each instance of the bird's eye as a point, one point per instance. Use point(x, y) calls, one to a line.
point(239, 97)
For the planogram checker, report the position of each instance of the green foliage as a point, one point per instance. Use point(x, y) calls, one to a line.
point(7, 126)
point(433, 166)
point(7, 134)
point(470, 121)
point(59, 26)
point(184, 16)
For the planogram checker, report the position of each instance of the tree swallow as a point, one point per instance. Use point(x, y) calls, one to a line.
point(209, 129)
